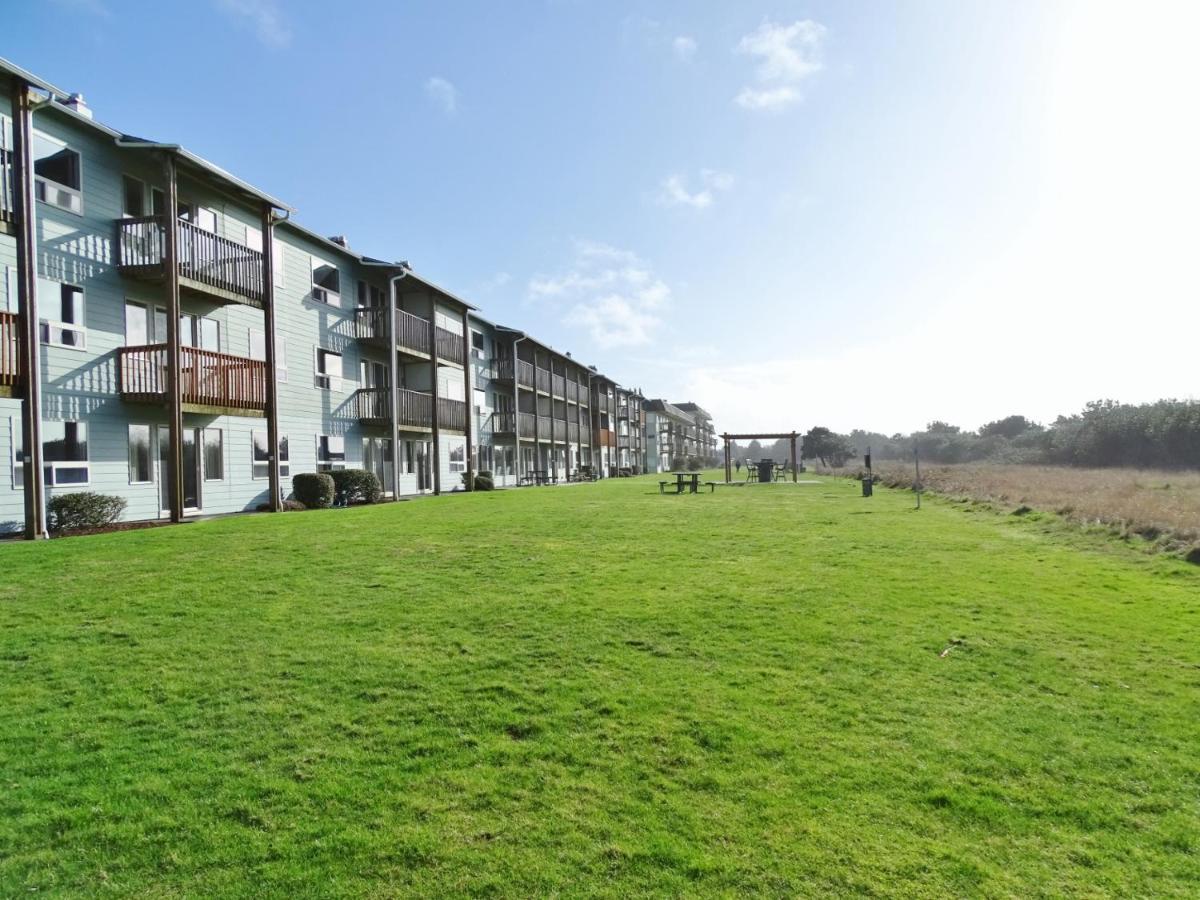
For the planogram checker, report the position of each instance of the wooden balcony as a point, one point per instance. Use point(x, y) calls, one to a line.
point(372, 406)
point(209, 381)
point(10, 353)
point(208, 263)
point(412, 334)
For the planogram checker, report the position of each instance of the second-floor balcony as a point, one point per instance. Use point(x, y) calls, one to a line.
point(207, 263)
point(10, 353)
point(414, 409)
point(412, 333)
point(209, 381)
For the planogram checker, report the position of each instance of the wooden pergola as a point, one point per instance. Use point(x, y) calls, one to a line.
point(786, 436)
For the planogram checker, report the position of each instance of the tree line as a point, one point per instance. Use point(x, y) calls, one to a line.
point(1161, 435)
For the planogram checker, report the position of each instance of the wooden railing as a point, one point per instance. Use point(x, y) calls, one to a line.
point(452, 414)
point(204, 258)
point(207, 378)
point(527, 426)
point(10, 349)
point(373, 404)
point(449, 346)
point(412, 332)
point(573, 432)
point(543, 380)
point(558, 385)
point(370, 322)
point(525, 373)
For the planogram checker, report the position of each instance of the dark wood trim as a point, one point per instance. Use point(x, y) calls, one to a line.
point(470, 409)
point(174, 386)
point(29, 345)
point(435, 418)
point(271, 375)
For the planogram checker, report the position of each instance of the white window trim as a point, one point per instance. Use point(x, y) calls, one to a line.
point(285, 466)
point(204, 453)
point(320, 294)
point(331, 465)
point(151, 448)
point(52, 466)
point(41, 184)
point(281, 369)
point(452, 445)
point(66, 326)
point(325, 380)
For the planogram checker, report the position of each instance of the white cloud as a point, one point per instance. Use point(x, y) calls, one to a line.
point(609, 291)
point(674, 189)
point(263, 16)
point(787, 55)
point(443, 94)
point(684, 47)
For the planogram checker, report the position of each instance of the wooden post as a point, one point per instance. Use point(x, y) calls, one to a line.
point(794, 461)
point(394, 384)
point(270, 376)
point(174, 390)
point(467, 398)
point(435, 422)
point(32, 472)
point(728, 461)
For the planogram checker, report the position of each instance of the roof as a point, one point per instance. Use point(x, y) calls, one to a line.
point(662, 406)
point(694, 409)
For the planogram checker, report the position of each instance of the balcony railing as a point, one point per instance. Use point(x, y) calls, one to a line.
point(10, 349)
point(412, 332)
point(414, 409)
point(449, 346)
point(207, 262)
point(573, 432)
point(207, 378)
point(543, 380)
point(558, 386)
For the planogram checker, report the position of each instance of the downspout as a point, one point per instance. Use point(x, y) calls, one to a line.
point(592, 428)
point(394, 378)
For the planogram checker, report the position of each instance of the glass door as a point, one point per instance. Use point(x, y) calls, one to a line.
point(191, 469)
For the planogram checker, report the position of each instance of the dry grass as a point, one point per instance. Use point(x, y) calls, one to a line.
point(1163, 507)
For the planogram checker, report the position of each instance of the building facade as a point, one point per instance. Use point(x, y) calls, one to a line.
point(170, 334)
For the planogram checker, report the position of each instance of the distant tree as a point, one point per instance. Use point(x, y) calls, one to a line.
point(1008, 427)
point(830, 448)
point(939, 427)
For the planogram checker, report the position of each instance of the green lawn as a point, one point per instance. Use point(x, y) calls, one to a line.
point(597, 690)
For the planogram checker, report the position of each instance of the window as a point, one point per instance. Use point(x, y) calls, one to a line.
point(331, 452)
point(329, 370)
point(452, 324)
point(214, 454)
point(199, 216)
point(480, 400)
point(485, 458)
point(210, 334)
point(10, 290)
point(260, 459)
point(458, 455)
point(372, 374)
point(195, 331)
point(137, 324)
point(62, 325)
point(326, 282)
point(141, 471)
point(133, 197)
point(64, 453)
point(369, 296)
point(477, 344)
point(254, 242)
point(258, 350)
point(56, 170)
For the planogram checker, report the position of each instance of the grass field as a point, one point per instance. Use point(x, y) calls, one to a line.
point(780, 690)
point(1162, 507)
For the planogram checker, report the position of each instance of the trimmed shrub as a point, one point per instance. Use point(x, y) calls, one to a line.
point(483, 480)
point(356, 486)
point(85, 509)
point(693, 464)
point(313, 489)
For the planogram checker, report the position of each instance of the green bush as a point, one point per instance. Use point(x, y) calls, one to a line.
point(357, 485)
point(85, 509)
point(313, 489)
point(483, 480)
point(288, 505)
point(693, 464)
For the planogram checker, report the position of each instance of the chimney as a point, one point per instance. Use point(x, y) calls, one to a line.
point(75, 104)
point(341, 239)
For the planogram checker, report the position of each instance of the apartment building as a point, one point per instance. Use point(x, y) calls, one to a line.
point(704, 432)
point(170, 334)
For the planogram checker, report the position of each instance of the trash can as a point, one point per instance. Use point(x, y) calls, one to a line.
point(766, 469)
point(868, 485)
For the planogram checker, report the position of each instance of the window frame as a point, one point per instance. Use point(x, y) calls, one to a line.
point(323, 379)
point(46, 325)
point(50, 468)
point(281, 369)
point(282, 450)
point(42, 186)
point(204, 433)
point(149, 452)
point(324, 462)
point(319, 292)
point(454, 445)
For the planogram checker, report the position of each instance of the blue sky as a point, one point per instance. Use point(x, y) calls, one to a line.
point(793, 213)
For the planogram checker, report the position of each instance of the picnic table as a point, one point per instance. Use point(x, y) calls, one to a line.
point(683, 480)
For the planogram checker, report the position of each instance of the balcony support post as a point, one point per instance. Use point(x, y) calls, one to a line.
point(468, 408)
point(433, 376)
point(271, 375)
point(33, 474)
point(394, 379)
point(174, 387)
